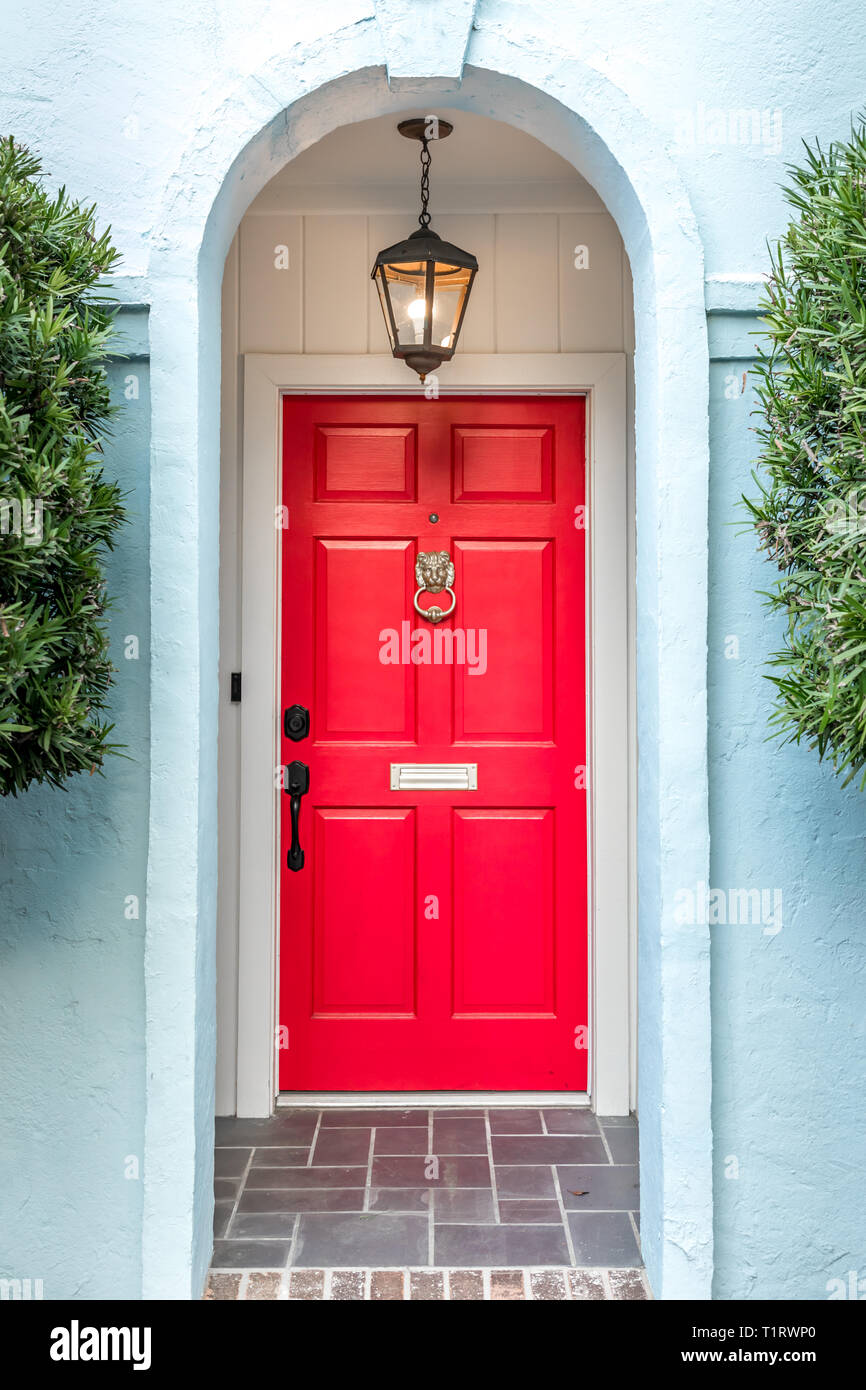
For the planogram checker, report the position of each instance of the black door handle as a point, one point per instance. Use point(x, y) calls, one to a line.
point(297, 785)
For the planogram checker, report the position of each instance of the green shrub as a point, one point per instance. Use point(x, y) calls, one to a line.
point(57, 514)
point(811, 511)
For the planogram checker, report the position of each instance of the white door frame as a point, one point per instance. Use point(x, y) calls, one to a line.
point(611, 740)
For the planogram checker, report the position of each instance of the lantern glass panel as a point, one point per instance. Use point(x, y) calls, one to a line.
point(451, 285)
point(383, 300)
point(406, 287)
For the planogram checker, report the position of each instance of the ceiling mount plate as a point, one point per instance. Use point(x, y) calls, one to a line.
point(416, 127)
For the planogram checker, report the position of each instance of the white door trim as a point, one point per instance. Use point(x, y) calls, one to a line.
point(602, 376)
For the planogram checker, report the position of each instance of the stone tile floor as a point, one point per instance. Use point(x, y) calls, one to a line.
point(431, 1203)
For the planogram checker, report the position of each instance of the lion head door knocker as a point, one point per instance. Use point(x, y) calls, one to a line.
point(434, 572)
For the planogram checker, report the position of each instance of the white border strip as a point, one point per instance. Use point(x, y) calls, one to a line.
point(451, 1100)
point(602, 377)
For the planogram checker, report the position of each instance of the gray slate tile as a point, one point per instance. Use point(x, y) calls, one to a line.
point(522, 1211)
point(292, 1127)
point(607, 1188)
point(515, 1122)
point(251, 1254)
point(337, 1119)
point(525, 1182)
point(230, 1163)
point(570, 1122)
point(280, 1201)
point(461, 1170)
point(554, 1148)
point(401, 1198)
point(461, 1246)
point(623, 1144)
point(374, 1239)
point(342, 1146)
point(270, 1225)
point(603, 1238)
point(458, 1111)
point(463, 1204)
point(221, 1216)
point(402, 1139)
point(278, 1157)
point(342, 1176)
point(459, 1136)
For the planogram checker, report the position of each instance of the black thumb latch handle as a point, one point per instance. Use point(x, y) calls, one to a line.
point(297, 785)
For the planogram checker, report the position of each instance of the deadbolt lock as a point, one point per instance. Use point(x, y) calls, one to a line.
point(296, 723)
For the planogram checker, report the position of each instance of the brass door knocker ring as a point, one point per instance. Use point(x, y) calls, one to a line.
point(434, 574)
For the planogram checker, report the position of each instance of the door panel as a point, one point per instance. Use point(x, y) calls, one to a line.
point(357, 697)
point(506, 590)
point(365, 881)
point(503, 875)
point(504, 465)
point(358, 463)
point(435, 939)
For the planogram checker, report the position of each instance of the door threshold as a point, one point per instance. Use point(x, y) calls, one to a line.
point(403, 1100)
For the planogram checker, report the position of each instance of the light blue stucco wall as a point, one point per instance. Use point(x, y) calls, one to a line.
point(146, 114)
point(789, 1039)
point(71, 950)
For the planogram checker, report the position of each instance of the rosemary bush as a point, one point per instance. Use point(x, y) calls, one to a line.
point(57, 513)
point(810, 513)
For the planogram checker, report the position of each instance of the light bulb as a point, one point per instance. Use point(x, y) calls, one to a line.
point(416, 311)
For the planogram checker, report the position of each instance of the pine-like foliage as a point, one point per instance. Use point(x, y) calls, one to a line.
point(57, 514)
point(811, 511)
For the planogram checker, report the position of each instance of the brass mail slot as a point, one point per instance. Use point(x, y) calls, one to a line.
point(419, 777)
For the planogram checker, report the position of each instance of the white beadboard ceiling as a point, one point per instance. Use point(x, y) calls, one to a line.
point(485, 165)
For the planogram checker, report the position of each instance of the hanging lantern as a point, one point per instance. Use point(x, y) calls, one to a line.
point(424, 282)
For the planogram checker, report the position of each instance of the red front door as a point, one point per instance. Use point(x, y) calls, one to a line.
point(435, 937)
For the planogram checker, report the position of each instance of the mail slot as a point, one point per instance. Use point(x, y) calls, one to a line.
point(412, 777)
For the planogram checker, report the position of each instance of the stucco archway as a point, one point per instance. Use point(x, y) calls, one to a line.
point(241, 139)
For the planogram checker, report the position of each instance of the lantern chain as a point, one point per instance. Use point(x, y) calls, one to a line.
point(424, 218)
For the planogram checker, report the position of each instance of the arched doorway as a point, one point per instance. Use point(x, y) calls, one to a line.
point(619, 156)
